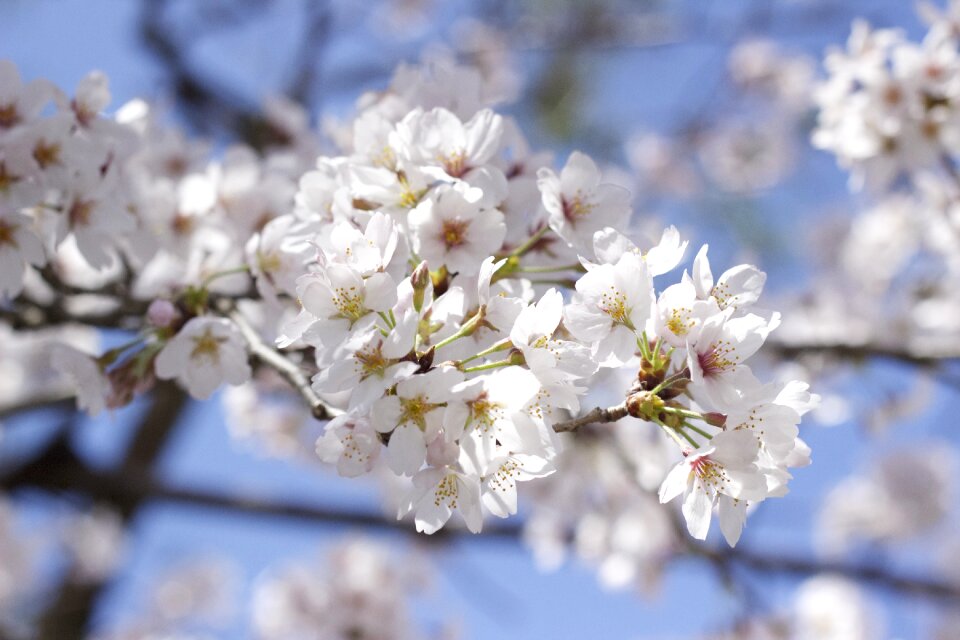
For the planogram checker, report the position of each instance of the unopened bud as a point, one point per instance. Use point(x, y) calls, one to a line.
point(715, 419)
point(162, 313)
point(420, 280)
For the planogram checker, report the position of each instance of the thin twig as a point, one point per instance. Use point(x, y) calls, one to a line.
point(597, 415)
point(289, 370)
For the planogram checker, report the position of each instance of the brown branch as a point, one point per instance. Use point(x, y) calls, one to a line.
point(50, 401)
point(318, 23)
point(876, 575)
point(135, 486)
point(289, 370)
point(863, 351)
point(597, 415)
point(70, 612)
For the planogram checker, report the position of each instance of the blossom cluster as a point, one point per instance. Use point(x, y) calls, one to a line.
point(435, 285)
point(889, 108)
point(888, 111)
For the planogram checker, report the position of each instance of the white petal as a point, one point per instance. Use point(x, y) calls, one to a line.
point(406, 451)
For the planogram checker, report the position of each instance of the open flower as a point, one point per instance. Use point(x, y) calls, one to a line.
point(726, 468)
point(451, 228)
point(86, 375)
point(414, 417)
point(612, 309)
point(204, 354)
point(578, 204)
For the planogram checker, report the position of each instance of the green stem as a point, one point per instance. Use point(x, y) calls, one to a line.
point(531, 241)
point(548, 269)
point(656, 352)
point(221, 274)
point(110, 356)
point(670, 432)
point(566, 283)
point(686, 436)
point(499, 346)
point(489, 365)
point(465, 330)
point(677, 377)
point(644, 345)
point(686, 413)
point(698, 430)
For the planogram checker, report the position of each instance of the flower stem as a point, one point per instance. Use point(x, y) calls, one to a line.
point(490, 365)
point(222, 274)
point(499, 346)
point(549, 269)
point(698, 430)
point(670, 380)
point(672, 433)
point(466, 329)
point(531, 241)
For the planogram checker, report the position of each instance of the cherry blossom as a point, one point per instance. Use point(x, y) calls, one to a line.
point(205, 353)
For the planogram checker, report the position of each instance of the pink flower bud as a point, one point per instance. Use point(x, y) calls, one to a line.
point(162, 313)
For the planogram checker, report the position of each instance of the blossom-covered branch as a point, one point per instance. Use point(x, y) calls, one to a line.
point(452, 295)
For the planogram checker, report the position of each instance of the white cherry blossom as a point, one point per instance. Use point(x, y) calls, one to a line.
point(612, 308)
point(451, 228)
point(579, 204)
point(204, 354)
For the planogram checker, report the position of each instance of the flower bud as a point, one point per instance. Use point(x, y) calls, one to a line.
point(420, 279)
point(162, 313)
point(715, 419)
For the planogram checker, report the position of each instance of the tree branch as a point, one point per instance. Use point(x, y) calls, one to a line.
point(289, 370)
point(597, 415)
point(134, 486)
point(70, 612)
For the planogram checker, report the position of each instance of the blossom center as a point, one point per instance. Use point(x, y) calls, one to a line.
point(414, 411)
point(454, 232)
point(9, 116)
point(269, 262)
point(206, 347)
point(576, 207)
point(80, 213)
point(711, 474)
point(46, 154)
point(680, 321)
point(718, 358)
point(348, 302)
point(7, 229)
point(371, 361)
point(409, 198)
point(455, 164)
point(7, 179)
point(503, 478)
point(447, 492)
point(485, 413)
point(614, 304)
